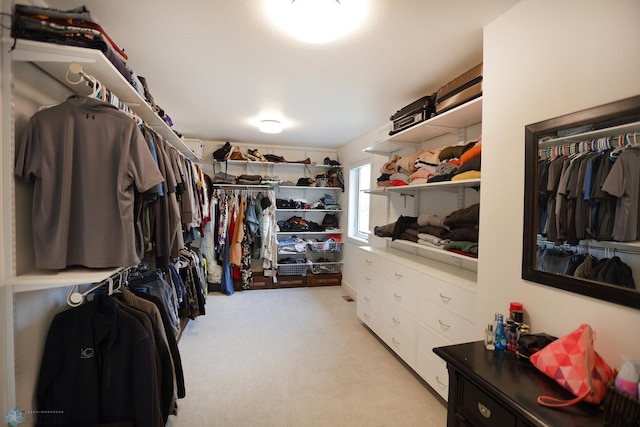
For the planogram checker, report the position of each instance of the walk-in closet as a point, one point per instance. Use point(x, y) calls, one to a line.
point(212, 217)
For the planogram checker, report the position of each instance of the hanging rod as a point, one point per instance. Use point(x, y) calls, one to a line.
point(588, 247)
point(76, 298)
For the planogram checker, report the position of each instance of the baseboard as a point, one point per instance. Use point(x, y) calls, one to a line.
point(350, 289)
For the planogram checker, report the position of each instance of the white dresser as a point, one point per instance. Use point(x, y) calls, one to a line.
point(415, 304)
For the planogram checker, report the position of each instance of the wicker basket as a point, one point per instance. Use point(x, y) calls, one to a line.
point(292, 269)
point(620, 409)
point(325, 267)
point(325, 247)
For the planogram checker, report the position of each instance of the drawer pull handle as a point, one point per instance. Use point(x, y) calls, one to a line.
point(398, 275)
point(397, 296)
point(395, 341)
point(367, 299)
point(366, 315)
point(368, 279)
point(396, 321)
point(444, 325)
point(444, 298)
point(367, 261)
point(486, 412)
point(440, 382)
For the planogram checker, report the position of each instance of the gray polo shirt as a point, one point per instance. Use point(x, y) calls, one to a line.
point(624, 182)
point(86, 158)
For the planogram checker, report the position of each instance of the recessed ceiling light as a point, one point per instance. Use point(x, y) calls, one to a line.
point(270, 126)
point(317, 21)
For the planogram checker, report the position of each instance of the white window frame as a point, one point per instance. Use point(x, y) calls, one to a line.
point(357, 183)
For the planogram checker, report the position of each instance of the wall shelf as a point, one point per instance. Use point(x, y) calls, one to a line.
point(448, 122)
point(54, 59)
point(48, 279)
point(445, 185)
point(278, 164)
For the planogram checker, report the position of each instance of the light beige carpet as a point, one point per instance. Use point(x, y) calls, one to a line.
point(295, 357)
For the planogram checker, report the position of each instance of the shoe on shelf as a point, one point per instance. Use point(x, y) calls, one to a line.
point(255, 155)
point(235, 154)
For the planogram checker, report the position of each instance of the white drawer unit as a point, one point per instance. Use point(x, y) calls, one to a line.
point(427, 341)
point(414, 308)
point(370, 264)
point(397, 273)
point(399, 321)
point(433, 373)
point(450, 297)
point(368, 298)
point(368, 317)
point(399, 295)
point(399, 343)
point(447, 324)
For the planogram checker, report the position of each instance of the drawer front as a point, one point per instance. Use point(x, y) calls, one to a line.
point(450, 326)
point(457, 300)
point(403, 275)
point(485, 410)
point(370, 264)
point(368, 317)
point(400, 344)
point(434, 374)
point(427, 341)
point(399, 321)
point(399, 295)
point(367, 297)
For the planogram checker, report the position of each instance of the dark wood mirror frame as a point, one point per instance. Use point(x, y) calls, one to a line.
point(623, 111)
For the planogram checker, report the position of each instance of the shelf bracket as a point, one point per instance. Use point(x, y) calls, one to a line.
point(405, 195)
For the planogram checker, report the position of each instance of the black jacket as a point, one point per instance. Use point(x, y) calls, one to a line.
point(98, 367)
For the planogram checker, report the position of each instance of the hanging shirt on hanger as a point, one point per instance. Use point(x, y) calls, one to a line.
point(86, 159)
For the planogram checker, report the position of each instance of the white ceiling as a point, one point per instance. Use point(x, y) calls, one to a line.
point(216, 65)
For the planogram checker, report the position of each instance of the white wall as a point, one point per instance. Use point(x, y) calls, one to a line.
point(543, 59)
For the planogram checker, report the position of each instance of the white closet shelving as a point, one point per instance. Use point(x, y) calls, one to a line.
point(416, 297)
point(453, 121)
point(449, 122)
point(55, 59)
point(290, 172)
point(23, 283)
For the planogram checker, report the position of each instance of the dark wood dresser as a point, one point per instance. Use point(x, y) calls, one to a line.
point(494, 388)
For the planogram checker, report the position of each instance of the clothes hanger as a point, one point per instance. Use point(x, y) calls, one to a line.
point(75, 298)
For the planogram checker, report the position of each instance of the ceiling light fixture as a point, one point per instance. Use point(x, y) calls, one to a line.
point(317, 21)
point(270, 126)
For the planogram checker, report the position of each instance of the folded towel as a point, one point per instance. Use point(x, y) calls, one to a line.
point(391, 166)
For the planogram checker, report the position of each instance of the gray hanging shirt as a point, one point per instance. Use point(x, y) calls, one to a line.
point(86, 158)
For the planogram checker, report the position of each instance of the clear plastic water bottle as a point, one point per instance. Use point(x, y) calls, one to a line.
point(500, 335)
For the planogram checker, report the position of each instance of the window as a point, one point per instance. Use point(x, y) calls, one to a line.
point(360, 179)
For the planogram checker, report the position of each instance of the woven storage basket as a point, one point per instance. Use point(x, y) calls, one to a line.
point(620, 409)
point(325, 267)
point(292, 269)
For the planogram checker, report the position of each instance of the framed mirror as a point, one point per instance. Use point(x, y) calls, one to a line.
point(581, 202)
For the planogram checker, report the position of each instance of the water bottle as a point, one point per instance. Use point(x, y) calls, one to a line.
point(501, 337)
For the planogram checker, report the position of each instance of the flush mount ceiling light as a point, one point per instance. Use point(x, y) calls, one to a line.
point(317, 21)
point(270, 126)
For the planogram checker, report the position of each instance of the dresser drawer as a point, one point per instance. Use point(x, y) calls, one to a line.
point(428, 340)
point(399, 321)
point(368, 317)
point(453, 298)
point(399, 295)
point(369, 298)
point(434, 374)
point(450, 326)
point(370, 264)
point(399, 343)
point(401, 274)
point(483, 409)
